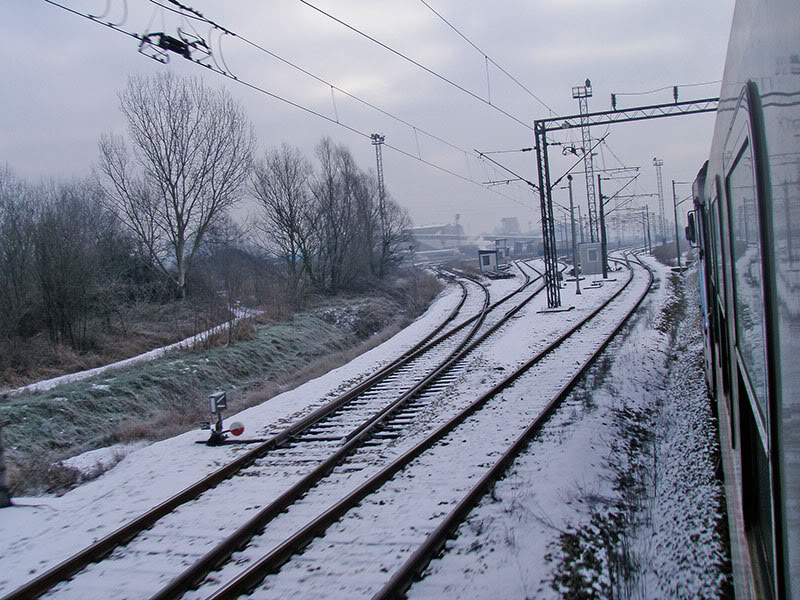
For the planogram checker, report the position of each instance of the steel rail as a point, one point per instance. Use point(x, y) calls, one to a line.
point(272, 561)
point(98, 550)
point(403, 577)
point(124, 534)
point(222, 552)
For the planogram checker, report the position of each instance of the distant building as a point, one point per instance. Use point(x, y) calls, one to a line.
point(503, 251)
point(591, 262)
point(437, 237)
point(510, 225)
point(518, 245)
point(487, 260)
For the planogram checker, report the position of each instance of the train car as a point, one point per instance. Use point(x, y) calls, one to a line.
point(746, 224)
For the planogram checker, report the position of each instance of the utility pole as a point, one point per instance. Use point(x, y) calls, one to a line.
point(603, 243)
point(649, 239)
point(582, 93)
point(377, 141)
point(658, 163)
point(574, 244)
point(677, 240)
point(675, 205)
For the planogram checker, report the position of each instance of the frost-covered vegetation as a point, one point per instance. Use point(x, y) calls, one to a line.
point(146, 252)
point(167, 396)
point(661, 529)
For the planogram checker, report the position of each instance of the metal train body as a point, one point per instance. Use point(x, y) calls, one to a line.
point(747, 223)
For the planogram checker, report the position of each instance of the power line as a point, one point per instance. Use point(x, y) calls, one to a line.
point(306, 109)
point(666, 87)
point(417, 64)
point(198, 16)
point(361, 133)
point(346, 93)
point(192, 14)
point(487, 57)
point(96, 19)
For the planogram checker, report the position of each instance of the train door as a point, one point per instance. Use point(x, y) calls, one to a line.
point(698, 236)
point(752, 387)
point(711, 286)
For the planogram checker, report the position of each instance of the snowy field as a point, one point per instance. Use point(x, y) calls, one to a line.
point(512, 544)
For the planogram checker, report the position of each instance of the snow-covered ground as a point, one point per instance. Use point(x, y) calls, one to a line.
point(510, 546)
point(565, 516)
point(38, 533)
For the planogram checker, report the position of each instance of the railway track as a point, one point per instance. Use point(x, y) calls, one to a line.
point(329, 426)
point(383, 533)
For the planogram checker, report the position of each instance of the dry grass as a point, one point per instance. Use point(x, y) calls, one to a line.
point(136, 329)
point(42, 471)
point(155, 401)
point(666, 254)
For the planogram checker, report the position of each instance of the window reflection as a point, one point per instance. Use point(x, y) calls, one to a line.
point(749, 304)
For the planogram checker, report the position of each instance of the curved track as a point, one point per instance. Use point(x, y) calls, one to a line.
point(437, 485)
point(351, 419)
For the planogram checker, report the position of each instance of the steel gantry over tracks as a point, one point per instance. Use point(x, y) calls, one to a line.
point(542, 126)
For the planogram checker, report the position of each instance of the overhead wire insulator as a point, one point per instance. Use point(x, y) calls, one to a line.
point(158, 45)
point(151, 47)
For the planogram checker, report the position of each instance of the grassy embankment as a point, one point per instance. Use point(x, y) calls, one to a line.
point(167, 396)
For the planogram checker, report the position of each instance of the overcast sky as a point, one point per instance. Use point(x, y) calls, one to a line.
point(61, 74)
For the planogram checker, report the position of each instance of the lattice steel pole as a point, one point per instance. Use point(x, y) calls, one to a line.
point(548, 229)
point(582, 93)
point(658, 163)
point(377, 141)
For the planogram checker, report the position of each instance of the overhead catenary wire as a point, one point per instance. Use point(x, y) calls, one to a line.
point(667, 87)
point(115, 26)
point(487, 57)
point(306, 109)
point(502, 166)
point(345, 92)
point(605, 144)
point(418, 64)
point(416, 129)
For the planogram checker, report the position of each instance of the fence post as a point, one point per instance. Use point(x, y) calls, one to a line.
point(5, 495)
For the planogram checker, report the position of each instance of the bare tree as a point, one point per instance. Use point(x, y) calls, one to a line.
point(192, 153)
point(326, 225)
point(281, 185)
point(395, 236)
point(16, 251)
point(69, 244)
point(337, 225)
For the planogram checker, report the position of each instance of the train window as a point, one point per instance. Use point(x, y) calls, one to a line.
point(722, 284)
point(748, 296)
point(713, 260)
